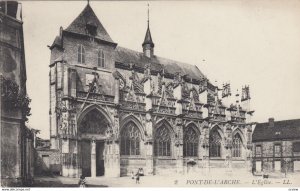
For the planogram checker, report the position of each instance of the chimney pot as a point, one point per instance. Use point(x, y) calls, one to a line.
point(271, 122)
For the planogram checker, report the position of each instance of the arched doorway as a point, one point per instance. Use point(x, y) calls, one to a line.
point(92, 130)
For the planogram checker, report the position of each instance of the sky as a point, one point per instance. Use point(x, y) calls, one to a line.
point(255, 43)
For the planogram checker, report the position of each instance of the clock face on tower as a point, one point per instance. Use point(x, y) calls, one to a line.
point(122, 84)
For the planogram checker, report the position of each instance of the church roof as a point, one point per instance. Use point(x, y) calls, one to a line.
point(125, 56)
point(88, 17)
point(282, 130)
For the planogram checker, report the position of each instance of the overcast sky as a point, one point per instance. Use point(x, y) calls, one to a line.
point(242, 42)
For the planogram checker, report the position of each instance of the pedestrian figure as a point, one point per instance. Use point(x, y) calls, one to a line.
point(132, 175)
point(82, 182)
point(137, 178)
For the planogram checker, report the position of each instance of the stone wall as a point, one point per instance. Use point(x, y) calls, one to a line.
point(47, 162)
point(16, 138)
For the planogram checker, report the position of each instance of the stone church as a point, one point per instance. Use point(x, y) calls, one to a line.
point(114, 110)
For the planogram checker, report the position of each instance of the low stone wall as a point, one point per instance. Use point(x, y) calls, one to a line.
point(164, 166)
point(129, 165)
point(47, 162)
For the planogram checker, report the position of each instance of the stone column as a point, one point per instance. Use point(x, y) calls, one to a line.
point(117, 90)
point(179, 145)
point(93, 158)
point(149, 157)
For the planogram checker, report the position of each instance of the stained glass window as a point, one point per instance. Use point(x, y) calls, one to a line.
point(190, 143)
point(237, 145)
point(215, 141)
point(81, 54)
point(162, 144)
point(130, 140)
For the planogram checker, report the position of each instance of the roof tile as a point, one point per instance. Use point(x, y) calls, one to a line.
point(287, 129)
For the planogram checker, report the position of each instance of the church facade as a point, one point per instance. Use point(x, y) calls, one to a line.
point(114, 110)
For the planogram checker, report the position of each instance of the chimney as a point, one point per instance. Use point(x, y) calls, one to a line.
point(271, 122)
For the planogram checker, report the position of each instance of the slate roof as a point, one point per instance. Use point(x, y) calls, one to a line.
point(57, 43)
point(287, 129)
point(148, 38)
point(126, 56)
point(88, 16)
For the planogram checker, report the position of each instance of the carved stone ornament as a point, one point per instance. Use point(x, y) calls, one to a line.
point(178, 121)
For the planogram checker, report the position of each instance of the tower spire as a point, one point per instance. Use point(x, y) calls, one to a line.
point(148, 44)
point(148, 15)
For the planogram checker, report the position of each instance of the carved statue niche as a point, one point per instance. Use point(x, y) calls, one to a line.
point(177, 79)
point(203, 85)
point(148, 130)
point(226, 91)
point(109, 132)
point(159, 84)
point(95, 86)
point(170, 90)
point(194, 94)
point(147, 71)
point(245, 93)
point(178, 129)
point(185, 91)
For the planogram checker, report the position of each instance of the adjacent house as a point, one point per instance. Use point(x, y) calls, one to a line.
point(276, 146)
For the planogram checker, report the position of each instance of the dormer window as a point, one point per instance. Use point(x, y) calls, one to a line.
point(81, 54)
point(91, 28)
point(101, 59)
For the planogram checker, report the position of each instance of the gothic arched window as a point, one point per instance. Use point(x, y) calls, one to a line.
point(215, 142)
point(190, 143)
point(101, 59)
point(162, 143)
point(81, 54)
point(237, 145)
point(130, 140)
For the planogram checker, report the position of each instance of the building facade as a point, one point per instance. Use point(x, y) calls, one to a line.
point(276, 146)
point(114, 110)
point(17, 149)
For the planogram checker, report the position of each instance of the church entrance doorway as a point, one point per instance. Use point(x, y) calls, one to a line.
point(92, 133)
point(86, 158)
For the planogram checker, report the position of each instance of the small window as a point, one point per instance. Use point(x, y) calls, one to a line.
point(258, 150)
point(277, 150)
point(296, 147)
point(81, 54)
point(101, 59)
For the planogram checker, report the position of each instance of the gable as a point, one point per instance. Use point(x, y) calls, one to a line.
point(87, 18)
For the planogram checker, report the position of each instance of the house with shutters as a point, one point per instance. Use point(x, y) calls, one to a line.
point(276, 146)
